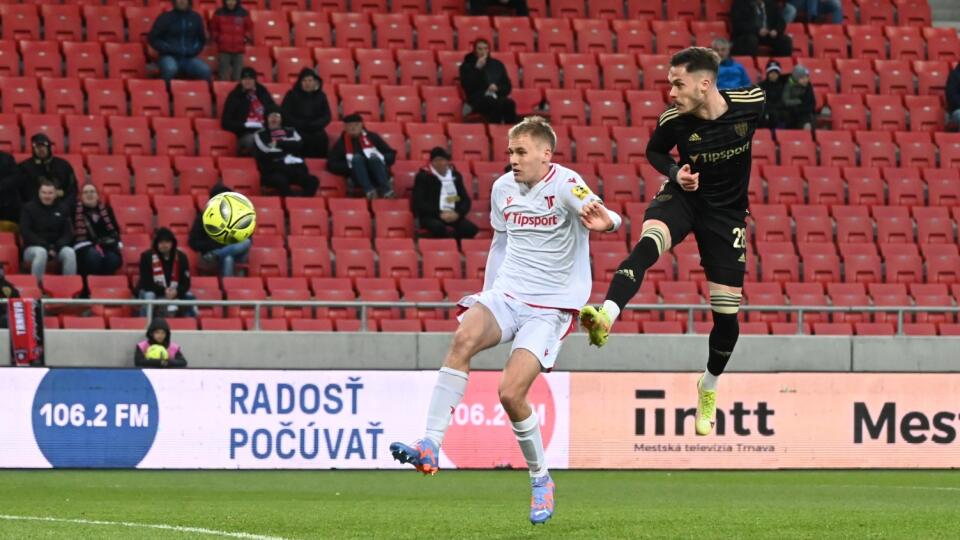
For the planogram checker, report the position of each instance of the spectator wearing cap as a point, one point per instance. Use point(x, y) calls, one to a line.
point(244, 111)
point(231, 29)
point(772, 86)
point(799, 104)
point(47, 232)
point(179, 37)
point(759, 22)
point(953, 96)
point(440, 200)
point(44, 165)
point(96, 236)
point(279, 159)
point(212, 252)
point(487, 86)
point(363, 157)
point(306, 109)
point(11, 193)
point(731, 74)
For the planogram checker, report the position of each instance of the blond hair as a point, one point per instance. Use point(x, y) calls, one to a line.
point(536, 127)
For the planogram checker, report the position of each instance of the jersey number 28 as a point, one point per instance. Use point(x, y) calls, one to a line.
point(739, 237)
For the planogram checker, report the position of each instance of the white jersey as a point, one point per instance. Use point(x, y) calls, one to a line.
point(547, 259)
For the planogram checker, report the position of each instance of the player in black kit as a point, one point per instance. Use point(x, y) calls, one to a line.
point(706, 194)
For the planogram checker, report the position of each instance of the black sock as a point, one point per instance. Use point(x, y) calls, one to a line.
point(723, 337)
point(626, 282)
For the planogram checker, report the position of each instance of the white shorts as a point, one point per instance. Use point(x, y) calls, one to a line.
point(539, 330)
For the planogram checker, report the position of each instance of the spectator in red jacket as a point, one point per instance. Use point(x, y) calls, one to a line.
point(231, 29)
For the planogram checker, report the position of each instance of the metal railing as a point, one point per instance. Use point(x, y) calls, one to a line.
point(364, 306)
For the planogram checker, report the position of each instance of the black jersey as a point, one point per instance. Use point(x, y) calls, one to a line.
point(720, 150)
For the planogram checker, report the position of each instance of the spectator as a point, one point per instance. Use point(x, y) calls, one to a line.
point(231, 29)
point(814, 9)
point(158, 335)
point(482, 7)
point(165, 272)
point(486, 85)
point(440, 201)
point(96, 237)
point(364, 157)
point(772, 86)
point(44, 165)
point(11, 193)
point(759, 22)
point(306, 109)
point(46, 231)
point(179, 37)
point(7, 291)
point(798, 101)
point(244, 110)
point(953, 96)
point(732, 74)
point(213, 252)
point(278, 158)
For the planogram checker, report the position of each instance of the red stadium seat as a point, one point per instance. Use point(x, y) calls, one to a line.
point(9, 59)
point(442, 103)
point(131, 135)
point(83, 59)
point(829, 41)
point(140, 21)
point(20, 21)
point(796, 147)
point(469, 142)
point(554, 35)
point(654, 68)
point(62, 96)
point(191, 99)
point(916, 149)
point(580, 70)
point(311, 29)
point(101, 23)
point(847, 111)
point(896, 77)
point(539, 70)
point(606, 107)
point(926, 113)
point(593, 144)
point(887, 113)
point(631, 144)
point(417, 67)
point(148, 98)
point(335, 65)
point(353, 33)
point(942, 43)
point(360, 99)
point(270, 28)
point(593, 36)
point(514, 34)
point(836, 148)
point(434, 32)
point(905, 43)
point(933, 225)
point(620, 72)
point(377, 66)
point(174, 136)
point(48, 124)
point(152, 175)
point(672, 35)
point(867, 43)
point(62, 23)
point(633, 36)
point(876, 149)
point(88, 134)
point(41, 58)
point(566, 106)
point(20, 95)
point(470, 28)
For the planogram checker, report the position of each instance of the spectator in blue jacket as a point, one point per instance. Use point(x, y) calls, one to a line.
point(178, 36)
point(953, 97)
point(732, 74)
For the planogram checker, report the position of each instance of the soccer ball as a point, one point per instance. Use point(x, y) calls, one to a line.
point(157, 352)
point(229, 218)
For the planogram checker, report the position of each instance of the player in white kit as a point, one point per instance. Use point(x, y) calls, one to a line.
point(537, 277)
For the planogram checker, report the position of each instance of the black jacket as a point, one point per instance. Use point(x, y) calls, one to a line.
point(57, 169)
point(745, 20)
point(774, 90)
point(270, 158)
point(237, 107)
point(46, 226)
point(178, 361)
point(307, 112)
point(953, 90)
point(178, 33)
point(425, 201)
point(147, 283)
point(11, 188)
point(476, 81)
point(798, 99)
point(98, 231)
point(337, 158)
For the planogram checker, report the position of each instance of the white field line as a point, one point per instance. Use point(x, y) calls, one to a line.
point(195, 530)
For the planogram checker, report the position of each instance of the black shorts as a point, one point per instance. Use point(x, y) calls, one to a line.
point(721, 233)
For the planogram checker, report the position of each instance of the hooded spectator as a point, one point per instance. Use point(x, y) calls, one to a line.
point(178, 36)
point(799, 103)
point(47, 233)
point(306, 109)
point(11, 193)
point(363, 157)
point(213, 252)
point(164, 271)
point(158, 335)
point(440, 200)
point(96, 236)
point(244, 111)
point(279, 159)
point(487, 86)
point(44, 165)
point(231, 30)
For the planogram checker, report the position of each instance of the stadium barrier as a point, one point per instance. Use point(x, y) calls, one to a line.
point(268, 419)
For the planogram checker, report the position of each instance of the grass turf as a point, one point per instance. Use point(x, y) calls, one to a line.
point(488, 504)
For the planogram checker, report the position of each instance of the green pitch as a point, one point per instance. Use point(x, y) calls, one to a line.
point(454, 505)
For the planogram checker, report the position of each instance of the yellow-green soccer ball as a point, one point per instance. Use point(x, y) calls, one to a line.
point(157, 352)
point(229, 218)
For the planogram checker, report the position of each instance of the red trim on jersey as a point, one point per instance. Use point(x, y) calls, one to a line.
point(549, 176)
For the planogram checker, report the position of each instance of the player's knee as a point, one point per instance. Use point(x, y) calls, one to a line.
point(511, 397)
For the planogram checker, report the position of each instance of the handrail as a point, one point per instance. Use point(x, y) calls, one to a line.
point(363, 306)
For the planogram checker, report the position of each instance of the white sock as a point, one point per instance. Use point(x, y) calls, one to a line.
point(612, 309)
point(709, 381)
point(447, 393)
point(531, 444)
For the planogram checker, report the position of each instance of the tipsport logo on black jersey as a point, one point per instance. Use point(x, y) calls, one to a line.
point(723, 155)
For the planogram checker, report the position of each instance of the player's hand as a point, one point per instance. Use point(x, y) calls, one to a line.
point(594, 216)
point(689, 181)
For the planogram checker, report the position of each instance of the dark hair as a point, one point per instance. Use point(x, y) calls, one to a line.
point(480, 40)
point(697, 59)
point(46, 182)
